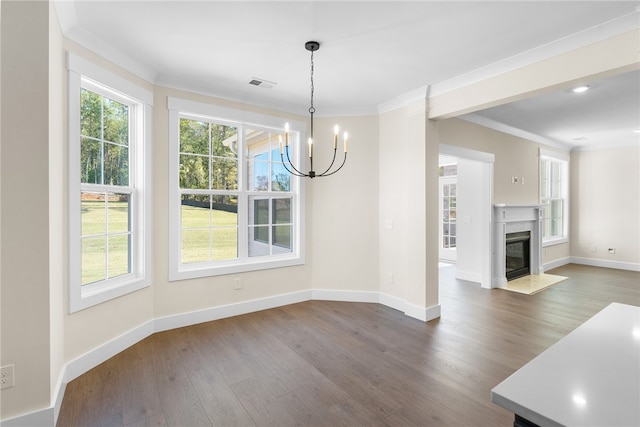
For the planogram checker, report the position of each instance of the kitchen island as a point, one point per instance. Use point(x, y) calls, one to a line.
point(591, 377)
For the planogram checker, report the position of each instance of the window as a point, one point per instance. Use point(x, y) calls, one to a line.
point(554, 190)
point(234, 207)
point(108, 185)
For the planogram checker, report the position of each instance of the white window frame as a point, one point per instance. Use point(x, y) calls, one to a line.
point(85, 74)
point(182, 108)
point(563, 159)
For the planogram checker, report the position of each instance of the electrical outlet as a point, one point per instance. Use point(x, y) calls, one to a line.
point(237, 283)
point(612, 250)
point(6, 377)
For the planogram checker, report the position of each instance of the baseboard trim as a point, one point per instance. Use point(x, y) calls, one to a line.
point(100, 354)
point(421, 313)
point(47, 417)
point(192, 318)
point(41, 418)
point(618, 265)
point(556, 263)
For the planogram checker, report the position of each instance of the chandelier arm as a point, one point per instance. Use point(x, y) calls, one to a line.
point(343, 162)
point(293, 173)
point(335, 150)
point(298, 173)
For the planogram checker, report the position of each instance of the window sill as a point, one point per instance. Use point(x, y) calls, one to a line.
point(194, 271)
point(90, 295)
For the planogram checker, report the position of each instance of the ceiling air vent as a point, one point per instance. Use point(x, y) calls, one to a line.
point(266, 84)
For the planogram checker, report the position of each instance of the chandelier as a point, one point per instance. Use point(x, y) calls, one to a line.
point(284, 148)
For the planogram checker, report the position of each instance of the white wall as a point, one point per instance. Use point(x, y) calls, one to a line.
point(24, 265)
point(408, 225)
point(605, 206)
point(344, 208)
point(57, 199)
point(473, 223)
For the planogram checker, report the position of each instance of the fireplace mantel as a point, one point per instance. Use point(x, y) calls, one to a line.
point(512, 219)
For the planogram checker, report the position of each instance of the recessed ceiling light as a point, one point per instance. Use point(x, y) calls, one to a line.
point(580, 138)
point(637, 131)
point(580, 89)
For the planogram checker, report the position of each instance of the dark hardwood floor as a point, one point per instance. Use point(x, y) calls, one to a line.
point(323, 363)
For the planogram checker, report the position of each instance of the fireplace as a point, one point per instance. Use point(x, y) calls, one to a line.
point(516, 243)
point(517, 254)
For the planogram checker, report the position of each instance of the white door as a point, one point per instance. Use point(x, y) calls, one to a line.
point(448, 216)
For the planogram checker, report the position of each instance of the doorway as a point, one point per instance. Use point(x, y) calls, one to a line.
point(472, 214)
point(448, 181)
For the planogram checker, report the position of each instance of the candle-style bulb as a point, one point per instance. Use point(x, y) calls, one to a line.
point(310, 147)
point(286, 134)
point(346, 138)
point(335, 137)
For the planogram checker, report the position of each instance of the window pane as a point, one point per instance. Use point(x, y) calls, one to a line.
point(282, 238)
point(452, 215)
point(118, 213)
point(195, 211)
point(225, 211)
point(280, 178)
point(258, 244)
point(261, 234)
point(259, 176)
point(90, 161)
point(90, 114)
point(452, 191)
point(119, 262)
point(94, 263)
point(116, 164)
point(281, 211)
point(194, 137)
point(194, 172)
point(225, 243)
point(224, 141)
point(196, 245)
point(116, 122)
point(445, 216)
point(93, 213)
point(259, 211)
point(224, 174)
point(445, 229)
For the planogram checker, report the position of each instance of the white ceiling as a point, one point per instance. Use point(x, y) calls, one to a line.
point(371, 53)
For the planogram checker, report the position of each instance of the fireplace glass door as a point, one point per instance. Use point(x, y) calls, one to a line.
point(517, 262)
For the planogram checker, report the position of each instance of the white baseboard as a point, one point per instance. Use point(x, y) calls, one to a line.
point(192, 318)
point(93, 358)
point(42, 418)
point(556, 263)
point(420, 313)
point(618, 265)
point(47, 417)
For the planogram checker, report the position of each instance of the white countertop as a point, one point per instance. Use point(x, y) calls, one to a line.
point(591, 377)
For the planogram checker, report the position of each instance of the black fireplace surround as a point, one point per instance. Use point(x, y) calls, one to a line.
point(517, 258)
